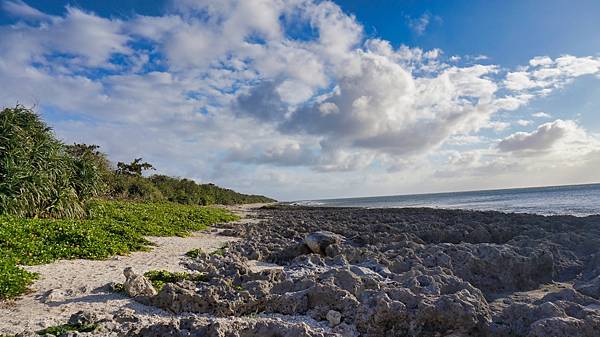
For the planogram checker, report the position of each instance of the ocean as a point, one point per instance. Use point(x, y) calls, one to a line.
point(577, 200)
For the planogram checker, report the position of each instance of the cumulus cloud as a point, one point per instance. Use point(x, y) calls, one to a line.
point(561, 135)
point(544, 74)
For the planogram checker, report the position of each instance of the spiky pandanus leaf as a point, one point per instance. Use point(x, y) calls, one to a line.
point(38, 178)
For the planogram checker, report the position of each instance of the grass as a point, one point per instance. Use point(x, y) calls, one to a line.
point(112, 228)
point(159, 278)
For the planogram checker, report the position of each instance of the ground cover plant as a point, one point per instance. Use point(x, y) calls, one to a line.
point(194, 253)
point(59, 330)
point(112, 228)
point(159, 278)
point(159, 219)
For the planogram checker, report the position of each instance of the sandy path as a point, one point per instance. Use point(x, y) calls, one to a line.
point(68, 286)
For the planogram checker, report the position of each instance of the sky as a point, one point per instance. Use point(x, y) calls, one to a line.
point(308, 99)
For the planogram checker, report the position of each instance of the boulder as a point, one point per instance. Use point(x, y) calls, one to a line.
point(590, 288)
point(319, 241)
point(334, 318)
point(136, 284)
point(558, 327)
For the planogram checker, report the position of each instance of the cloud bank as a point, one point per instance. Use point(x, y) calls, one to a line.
point(283, 97)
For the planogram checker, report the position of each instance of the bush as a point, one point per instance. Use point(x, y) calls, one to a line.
point(136, 188)
point(185, 191)
point(93, 172)
point(38, 178)
point(194, 253)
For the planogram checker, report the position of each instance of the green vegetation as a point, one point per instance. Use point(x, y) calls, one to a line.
point(159, 278)
point(13, 280)
point(61, 329)
point(112, 228)
point(185, 191)
point(118, 287)
point(221, 251)
point(158, 219)
point(38, 176)
point(194, 253)
point(62, 201)
point(42, 177)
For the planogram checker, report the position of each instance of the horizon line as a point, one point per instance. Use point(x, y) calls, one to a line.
point(445, 192)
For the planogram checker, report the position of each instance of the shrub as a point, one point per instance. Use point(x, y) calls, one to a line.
point(38, 178)
point(186, 191)
point(92, 172)
point(136, 188)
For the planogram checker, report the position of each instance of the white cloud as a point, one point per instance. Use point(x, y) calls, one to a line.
point(21, 9)
point(519, 80)
point(210, 89)
point(541, 114)
point(419, 25)
point(559, 135)
point(523, 122)
point(78, 39)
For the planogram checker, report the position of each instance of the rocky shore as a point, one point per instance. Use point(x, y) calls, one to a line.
point(304, 271)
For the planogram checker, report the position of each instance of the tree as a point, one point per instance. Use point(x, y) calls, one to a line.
point(135, 168)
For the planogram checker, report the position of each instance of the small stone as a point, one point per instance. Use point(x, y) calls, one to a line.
point(334, 318)
point(83, 318)
point(136, 284)
point(54, 295)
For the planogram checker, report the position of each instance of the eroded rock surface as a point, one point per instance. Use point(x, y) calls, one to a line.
point(413, 272)
point(406, 272)
point(392, 272)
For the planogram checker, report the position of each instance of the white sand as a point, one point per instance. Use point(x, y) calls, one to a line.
point(68, 286)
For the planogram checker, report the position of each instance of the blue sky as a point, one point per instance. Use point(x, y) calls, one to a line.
point(308, 99)
point(509, 32)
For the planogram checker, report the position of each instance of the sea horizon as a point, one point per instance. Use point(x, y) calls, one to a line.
point(576, 200)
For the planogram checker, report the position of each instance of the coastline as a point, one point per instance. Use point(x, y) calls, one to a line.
point(577, 200)
point(387, 272)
